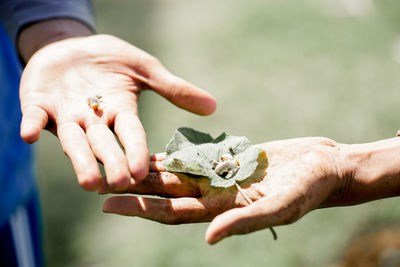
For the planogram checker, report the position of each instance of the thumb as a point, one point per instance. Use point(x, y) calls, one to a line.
point(180, 92)
point(34, 119)
point(259, 215)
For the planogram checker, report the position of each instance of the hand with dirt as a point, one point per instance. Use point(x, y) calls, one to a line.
point(303, 174)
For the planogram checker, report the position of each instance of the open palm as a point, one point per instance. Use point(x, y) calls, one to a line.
point(302, 176)
point(61, 77)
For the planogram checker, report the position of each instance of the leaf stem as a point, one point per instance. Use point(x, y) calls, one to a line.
point(249, 201)
point(241, 191)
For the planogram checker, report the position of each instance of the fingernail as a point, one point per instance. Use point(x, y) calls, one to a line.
point(106, 206)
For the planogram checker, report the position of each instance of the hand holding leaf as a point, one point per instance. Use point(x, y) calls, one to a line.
point(302, 175)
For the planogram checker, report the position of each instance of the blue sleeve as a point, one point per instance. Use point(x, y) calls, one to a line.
point(16, 13)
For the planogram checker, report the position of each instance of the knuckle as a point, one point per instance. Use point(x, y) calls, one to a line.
point(149, 60)
point(174, 88)
point(328, 142)
point(153, 60)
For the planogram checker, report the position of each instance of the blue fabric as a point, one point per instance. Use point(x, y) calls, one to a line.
point(8, 254)
point(16, 172)
point(17, 13)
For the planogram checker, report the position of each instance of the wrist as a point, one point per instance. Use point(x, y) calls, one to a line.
point(35, 36)
point(368, 172)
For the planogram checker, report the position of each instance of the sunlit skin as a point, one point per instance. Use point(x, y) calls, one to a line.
point(66, 65)
point(303, 174)
point(300, 177)
point(60, 77)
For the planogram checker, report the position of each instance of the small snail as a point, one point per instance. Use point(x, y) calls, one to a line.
point(95, 102)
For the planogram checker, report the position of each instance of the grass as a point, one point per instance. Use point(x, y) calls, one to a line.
point(279, 69)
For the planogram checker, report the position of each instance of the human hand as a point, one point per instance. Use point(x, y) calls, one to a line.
point(303, 174)
point(57, 82)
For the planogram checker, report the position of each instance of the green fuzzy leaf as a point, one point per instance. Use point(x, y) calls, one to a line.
point(193, 152)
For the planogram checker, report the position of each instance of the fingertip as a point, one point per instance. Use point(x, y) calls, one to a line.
point(158, 156)
point(117, 179)
point(157, 166)
point(138, 161)
point(208, 106)
point(108, 204)
point(196, 100)
point(211, 239)
point(29, 134)
point(139, 165)
point(34, 119)
point(119, 184)
point(89, 177)
point(107, 189)
point(30, 129)
point(120, 205)
point(91, 183)
point(140, 174)
point(183, 94)
point(215, 231)
point(231, 222)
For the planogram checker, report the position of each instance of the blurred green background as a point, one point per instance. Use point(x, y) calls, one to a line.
point(278, 69)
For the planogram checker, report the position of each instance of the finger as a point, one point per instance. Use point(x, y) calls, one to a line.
point(259, 215)
point(158, 157)
point(74, 142)
point(156, 162)
point(105, 147)
point(168, 211)
point(181, 93)
point(133, 138)
point(164, 184)
point(398, 133)
point(157, 166)
point(34, 119)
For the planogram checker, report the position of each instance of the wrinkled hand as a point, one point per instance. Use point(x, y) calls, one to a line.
point(57, 83)
point(303, 175)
